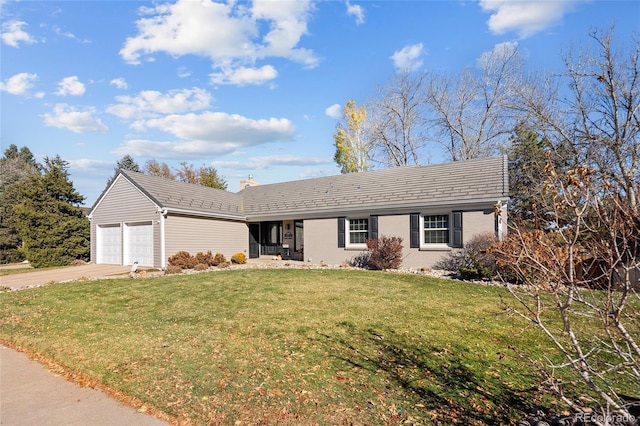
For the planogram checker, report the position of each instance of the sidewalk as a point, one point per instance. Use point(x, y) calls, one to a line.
point(32, 395)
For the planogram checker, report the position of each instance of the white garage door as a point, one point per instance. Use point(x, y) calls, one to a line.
point(109, 244)
point(139, 244)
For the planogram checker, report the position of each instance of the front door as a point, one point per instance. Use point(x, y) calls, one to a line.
point(254, 241)
point(298, 253)
point(271, 238)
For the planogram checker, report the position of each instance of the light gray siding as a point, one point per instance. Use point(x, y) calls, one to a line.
point(124, 203)
point(478, 222)
point(198, 234)
point(321, 238)
point(321, 242)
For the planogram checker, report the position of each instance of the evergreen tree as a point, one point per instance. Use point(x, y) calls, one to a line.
point(53, 228)
point(528, 156)
point(126, 163)
point(15, 166)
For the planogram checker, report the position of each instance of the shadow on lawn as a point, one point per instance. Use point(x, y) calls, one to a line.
point(440, 378)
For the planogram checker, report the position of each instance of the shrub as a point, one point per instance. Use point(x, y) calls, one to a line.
point(224, 264)
point(475, 261)
point(360, 260)
point(172, 269)
point(385, 253)
point(239, 258)
point(218, 259)
point(205, 258)
point(183, 260)
point(201, 267)
point(11, 255)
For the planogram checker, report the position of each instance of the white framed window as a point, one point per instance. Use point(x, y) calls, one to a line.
point(357, 232)
point(436, 229)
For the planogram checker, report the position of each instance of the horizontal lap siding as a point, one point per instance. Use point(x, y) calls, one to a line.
point(197, 234)
point(321, 238)
point(398, 226)
point(321, 242)
point(124, 203)
point(478, 222)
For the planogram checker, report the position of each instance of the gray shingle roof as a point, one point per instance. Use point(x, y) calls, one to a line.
point(401, 189)
point(179, 196)
point(397, 190)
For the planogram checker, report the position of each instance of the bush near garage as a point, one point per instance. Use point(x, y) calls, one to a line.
point(183, 259)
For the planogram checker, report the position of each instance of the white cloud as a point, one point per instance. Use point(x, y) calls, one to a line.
point(88, 164)
point(183, 72)
point(149, 103)
point(18, 84)
point(242, 76)
point(408, 58)
point(261, 163)
point(222, 127)
point(497, 55)
point(334, 111)
point(175, 149)
point(70, 86)
point(12, 34)
point(58, 31)
point(525, 17)
point(357, 11)
point(207, 134)
point(232, 35)
point(120, 83)
point(78, 121)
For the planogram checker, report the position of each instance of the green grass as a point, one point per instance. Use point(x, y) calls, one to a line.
point(14, 271)
point(289, 346)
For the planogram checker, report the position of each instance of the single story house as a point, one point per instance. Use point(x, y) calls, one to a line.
point(434, 209)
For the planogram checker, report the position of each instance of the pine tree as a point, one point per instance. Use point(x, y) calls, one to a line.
point(126, 163)
point(15, 166)
point(53, 228)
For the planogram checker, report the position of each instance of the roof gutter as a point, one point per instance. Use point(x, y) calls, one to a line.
point(167, 210)
point(386, 210)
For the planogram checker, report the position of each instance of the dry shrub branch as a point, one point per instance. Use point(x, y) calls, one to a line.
point(581, 264)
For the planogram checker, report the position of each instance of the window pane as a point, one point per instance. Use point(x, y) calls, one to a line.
point(273, 234)
point(358, 231)
point(436, 237)
point(436, 229)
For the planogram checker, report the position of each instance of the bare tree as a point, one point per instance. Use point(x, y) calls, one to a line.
point(472, 114)
point(397, 120)
point(598, 117)
point(579, 284)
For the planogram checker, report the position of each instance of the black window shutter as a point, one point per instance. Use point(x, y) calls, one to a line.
point(373, 227)
point(414, 230)
point(457, 229)
point(341, 236)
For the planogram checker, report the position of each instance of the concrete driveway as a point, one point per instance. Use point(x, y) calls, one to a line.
point(35, 278)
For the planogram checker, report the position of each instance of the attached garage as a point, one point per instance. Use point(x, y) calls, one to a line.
point(138, 244)
point(109, 244)
point(147, 219)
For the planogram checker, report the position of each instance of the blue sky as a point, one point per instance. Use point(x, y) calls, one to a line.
point(246, 87)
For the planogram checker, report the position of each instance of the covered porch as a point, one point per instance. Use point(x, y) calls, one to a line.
point(284, 239)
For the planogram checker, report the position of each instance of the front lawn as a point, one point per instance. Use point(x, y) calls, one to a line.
point(288, 346)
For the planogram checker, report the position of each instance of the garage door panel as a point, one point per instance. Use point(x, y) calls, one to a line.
point(139, 244)
point(109, 245)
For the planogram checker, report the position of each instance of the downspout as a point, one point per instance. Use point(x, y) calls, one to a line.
point(163, 251)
